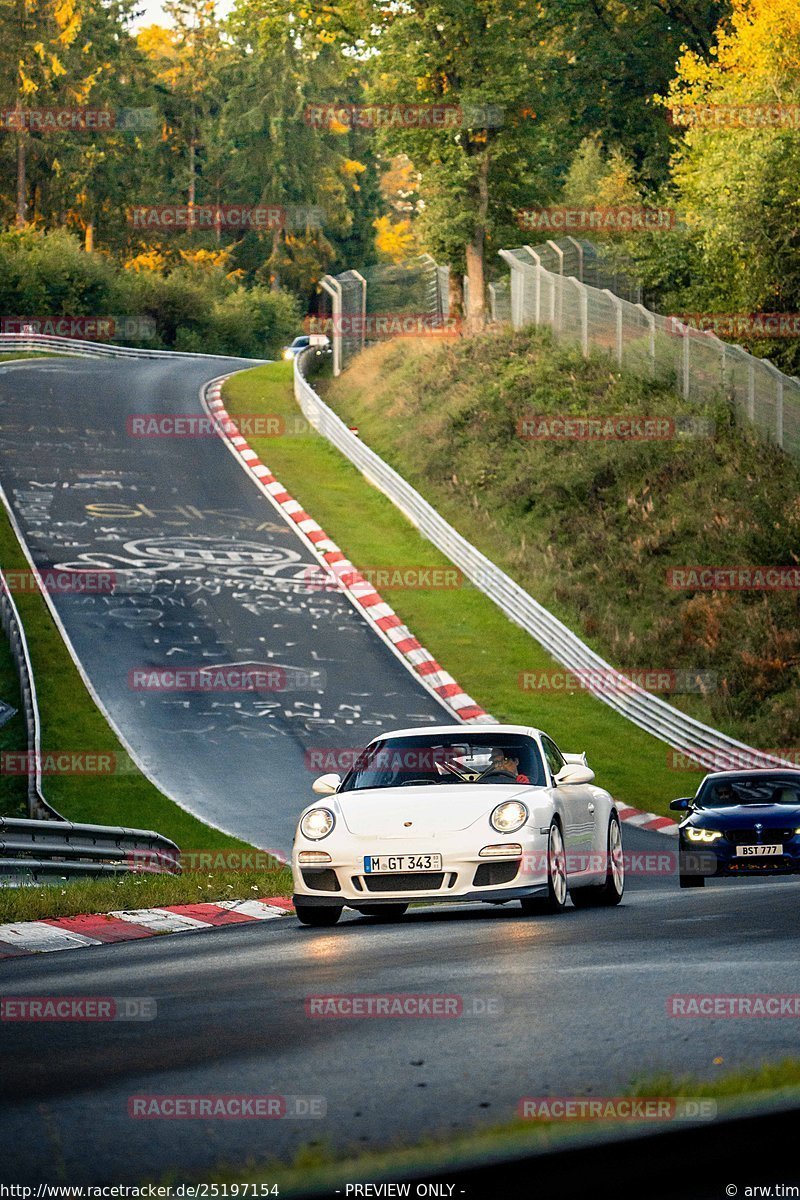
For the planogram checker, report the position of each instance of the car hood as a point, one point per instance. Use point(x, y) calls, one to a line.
point(440, 808)
point(744, 816)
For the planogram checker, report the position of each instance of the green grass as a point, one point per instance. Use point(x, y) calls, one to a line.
point(139, 891)
point(591, 528)
point(318, 1165)
point(468, 634)
point(32, 354)
point(13, 736)
point(71, 721)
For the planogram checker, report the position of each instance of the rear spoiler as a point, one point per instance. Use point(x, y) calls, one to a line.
point(580, 759)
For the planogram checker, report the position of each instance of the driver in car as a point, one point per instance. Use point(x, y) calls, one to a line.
point(506, 762)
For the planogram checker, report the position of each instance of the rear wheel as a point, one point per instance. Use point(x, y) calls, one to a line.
point(606, 894)
point(309, 914)
point(384, 912)
point(556, 897)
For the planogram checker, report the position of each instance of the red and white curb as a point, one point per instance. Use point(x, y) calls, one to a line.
point(100, 929)
point(647, 820)
point(380, 615)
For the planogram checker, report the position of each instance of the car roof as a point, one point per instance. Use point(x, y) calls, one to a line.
point(463, 730)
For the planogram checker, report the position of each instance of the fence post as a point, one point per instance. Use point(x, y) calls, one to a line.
point(579, 248)
point(558, 308)
point(615, 300)
point(537, 295)
point(651, 341)
point(685, 362)
point(363, 283)
point(334, 290)
point(583, 300)
point(778, 377)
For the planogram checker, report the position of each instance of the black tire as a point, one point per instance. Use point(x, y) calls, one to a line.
point(689, 872)
point(384, 912)
point(557, 886)
point(309, 914)
point(609, 893)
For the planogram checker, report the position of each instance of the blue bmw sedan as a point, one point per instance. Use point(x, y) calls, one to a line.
point(740, 823)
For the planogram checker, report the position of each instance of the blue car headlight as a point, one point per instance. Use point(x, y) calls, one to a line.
point(703, 835)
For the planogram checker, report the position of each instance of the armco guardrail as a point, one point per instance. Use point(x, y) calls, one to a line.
point(34, 851)
point(683, 733)
point(40, 343)
point(15, 633)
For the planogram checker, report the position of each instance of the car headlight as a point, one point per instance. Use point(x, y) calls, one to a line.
point(287, 356)
point(509, 817)
point(703, 835)
point(317, 823)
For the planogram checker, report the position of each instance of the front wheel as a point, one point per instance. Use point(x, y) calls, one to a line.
point(606, 894)
point(309, 914)
point(556, 898)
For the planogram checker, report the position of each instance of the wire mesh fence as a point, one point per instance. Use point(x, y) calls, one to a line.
point(383, 300)
point(665, 349)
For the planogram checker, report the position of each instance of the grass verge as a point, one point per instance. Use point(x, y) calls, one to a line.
point(593, 527)
point(319, 1166)
point(139, 891)
point(71, 721)
point(461, 627)
point(13, 736)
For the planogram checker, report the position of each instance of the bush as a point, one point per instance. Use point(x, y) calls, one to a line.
point(193, 308)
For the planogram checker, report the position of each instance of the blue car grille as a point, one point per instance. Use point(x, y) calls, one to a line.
point(750, 837)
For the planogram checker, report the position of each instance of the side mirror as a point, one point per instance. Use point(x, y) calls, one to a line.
point(680, 805)
point(574, 773)
point(326, 785)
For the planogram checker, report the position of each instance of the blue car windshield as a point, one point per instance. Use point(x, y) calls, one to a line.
point(510, 758)
point(765, 789)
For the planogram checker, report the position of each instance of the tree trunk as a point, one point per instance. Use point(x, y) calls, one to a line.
point(191, 175)
point(455, 293)
point(22, 187)
point(476, 249)
point(274, 280)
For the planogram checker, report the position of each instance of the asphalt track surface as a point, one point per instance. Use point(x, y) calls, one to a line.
point(582, 1002)
point(205, 572)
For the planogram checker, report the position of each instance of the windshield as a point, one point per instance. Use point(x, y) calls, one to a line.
point(300, 341)
point(770, 789)
point(484, 758)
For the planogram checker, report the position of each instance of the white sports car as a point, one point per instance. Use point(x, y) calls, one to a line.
point(457, 812)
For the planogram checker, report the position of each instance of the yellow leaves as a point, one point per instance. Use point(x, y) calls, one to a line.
point(38, 50)
point(335, 126)
point(351, 167)
point(206, 259)
point(395, 240)
point(56, 67)
point(152, 259)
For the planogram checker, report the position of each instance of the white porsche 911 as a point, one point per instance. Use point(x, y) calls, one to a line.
point(456, 812)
